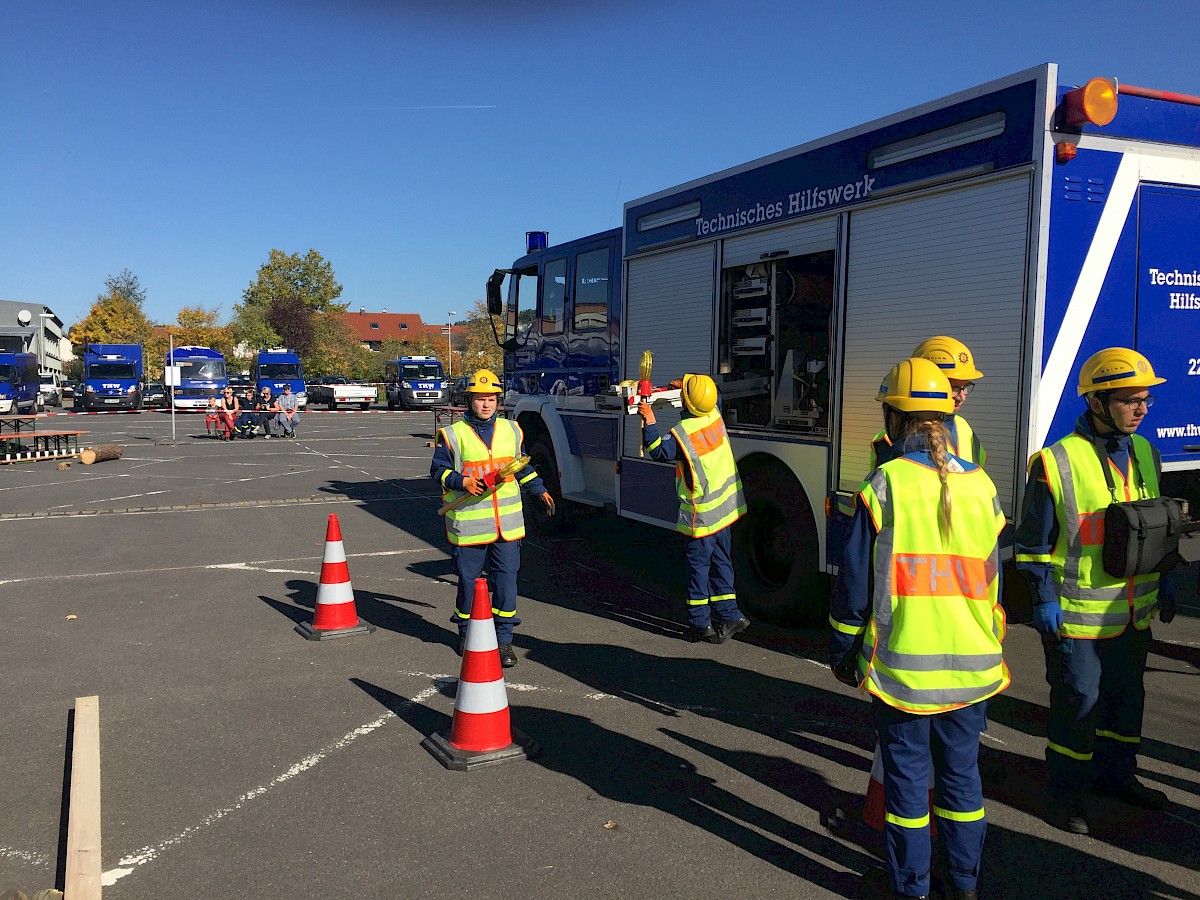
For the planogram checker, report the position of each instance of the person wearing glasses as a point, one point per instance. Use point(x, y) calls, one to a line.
point(958, 364)
point(1095, 628)
point(228, 408)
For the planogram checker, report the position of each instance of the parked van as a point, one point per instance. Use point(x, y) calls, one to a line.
point(20, 385)
point(51, 389)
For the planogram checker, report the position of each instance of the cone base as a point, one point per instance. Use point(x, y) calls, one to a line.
point(325, 634)
point(522, 747)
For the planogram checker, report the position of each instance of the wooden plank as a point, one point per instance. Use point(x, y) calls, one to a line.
point(82, 880)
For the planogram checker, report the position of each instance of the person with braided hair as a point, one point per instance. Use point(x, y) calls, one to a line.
point(917, 623)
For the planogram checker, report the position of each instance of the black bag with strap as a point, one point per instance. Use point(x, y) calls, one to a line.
point(1141, 537)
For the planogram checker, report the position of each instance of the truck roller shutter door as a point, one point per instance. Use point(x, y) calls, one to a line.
point(670, 312)
point(952, 262)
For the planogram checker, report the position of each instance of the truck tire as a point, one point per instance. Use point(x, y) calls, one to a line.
point(365, 405)
point(775, 549)
point(391, 403)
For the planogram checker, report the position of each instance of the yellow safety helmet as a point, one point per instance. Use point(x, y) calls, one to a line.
point(699, 394)
point(484, 381)
point(950, 355)
point(1116, 367)
point(916, 385)
point(888, 379)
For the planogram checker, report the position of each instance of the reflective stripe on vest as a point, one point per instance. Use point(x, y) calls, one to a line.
point(1094, 604)
point(716, 499)
point(498, 515)
point(935, 635)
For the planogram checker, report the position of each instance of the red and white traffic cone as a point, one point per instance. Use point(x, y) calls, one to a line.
point(335, 615)
point(481, 732)
point(875, 809)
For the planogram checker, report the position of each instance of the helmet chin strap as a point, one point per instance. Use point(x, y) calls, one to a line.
point(1106, 416)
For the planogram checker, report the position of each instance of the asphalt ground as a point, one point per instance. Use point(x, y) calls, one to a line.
point(240, 760)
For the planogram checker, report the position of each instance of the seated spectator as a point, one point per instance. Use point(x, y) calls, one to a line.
point(289, 412)
point(266, 408)
point(212, 421)
point(228, 410)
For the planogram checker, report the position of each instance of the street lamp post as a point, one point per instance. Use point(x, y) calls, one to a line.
point(449, 341)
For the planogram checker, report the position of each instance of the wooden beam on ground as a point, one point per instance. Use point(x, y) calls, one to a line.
point(83, 817)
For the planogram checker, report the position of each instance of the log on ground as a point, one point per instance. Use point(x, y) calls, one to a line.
point(100, 453)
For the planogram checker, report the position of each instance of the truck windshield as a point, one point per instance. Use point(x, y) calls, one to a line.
point(111, 370)
point(279, 370)
point(210, 369)
point(425, 370)
point(7, 372)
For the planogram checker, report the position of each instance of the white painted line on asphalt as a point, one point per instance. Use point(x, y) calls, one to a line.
point(212, 566)
point(106, 500)
point(129, 863)
point(50, 484)
point(274, 475)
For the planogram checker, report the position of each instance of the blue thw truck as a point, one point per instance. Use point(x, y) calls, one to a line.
point(20, 384)
point(276, 367)
point(1035, 221)
point(201, 375)
point(413, 381)
point(112, 377)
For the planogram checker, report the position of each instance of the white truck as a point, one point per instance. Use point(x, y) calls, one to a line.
point(335, 390)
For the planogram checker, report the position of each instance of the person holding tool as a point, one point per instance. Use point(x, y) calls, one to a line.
point(474, 456)
point(710, 500)
point(916, 622)
point(1095, 660)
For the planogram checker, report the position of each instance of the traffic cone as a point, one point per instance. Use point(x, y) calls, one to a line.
point(481, 732)
point(335, 615)
point(875, 809)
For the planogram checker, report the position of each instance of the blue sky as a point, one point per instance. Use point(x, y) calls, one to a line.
point(414, 143)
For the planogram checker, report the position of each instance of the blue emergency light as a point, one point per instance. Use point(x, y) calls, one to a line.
point(536, 240)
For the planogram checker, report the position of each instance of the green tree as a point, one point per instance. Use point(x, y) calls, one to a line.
point(479, 350)
point(127, 285)
point(200, 326)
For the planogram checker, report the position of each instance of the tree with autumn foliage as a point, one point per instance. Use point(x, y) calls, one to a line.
point(116, 317)
point(479, 350)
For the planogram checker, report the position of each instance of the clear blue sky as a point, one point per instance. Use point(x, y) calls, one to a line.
point(414, 143)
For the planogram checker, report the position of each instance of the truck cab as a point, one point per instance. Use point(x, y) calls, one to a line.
point(19, 384)
point(275, 367)
point(112, 377)
point(414, 381)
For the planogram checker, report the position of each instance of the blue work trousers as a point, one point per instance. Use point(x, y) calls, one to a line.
point(908, 743)
point(1097, 697)
point(710, 580)
point(503, 560)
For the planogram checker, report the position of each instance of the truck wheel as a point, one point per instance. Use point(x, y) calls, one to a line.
point(365, 406)
point(391, 403)
point(541, 457)
point(775, 549)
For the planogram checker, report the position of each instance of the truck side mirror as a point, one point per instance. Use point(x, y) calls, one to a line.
point(495, 304)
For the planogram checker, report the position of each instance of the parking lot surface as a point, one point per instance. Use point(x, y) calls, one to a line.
point(240, 760)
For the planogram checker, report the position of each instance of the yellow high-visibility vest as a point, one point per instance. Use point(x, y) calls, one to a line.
point(714, 499)
point(934, 639)
point(483, 520)
point(1094, 603)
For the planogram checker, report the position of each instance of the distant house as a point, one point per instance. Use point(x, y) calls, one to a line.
point(373, 328)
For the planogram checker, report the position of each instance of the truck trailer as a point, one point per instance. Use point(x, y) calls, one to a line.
point(1036, 222)
point(112, 377)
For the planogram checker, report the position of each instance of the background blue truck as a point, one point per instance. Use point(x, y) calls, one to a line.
point(413, 381)
point(1036, 221)
point(20, 384)
point(112, 377)
point(276, 367)
point(201, 374)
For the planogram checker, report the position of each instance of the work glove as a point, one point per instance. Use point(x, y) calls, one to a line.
point(646, 413)
point(549, 501)
point(846, 671)
point(1048, 618)
point(473, 486)
point(1166, 611)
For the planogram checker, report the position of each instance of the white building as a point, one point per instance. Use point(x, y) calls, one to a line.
point(33, 328)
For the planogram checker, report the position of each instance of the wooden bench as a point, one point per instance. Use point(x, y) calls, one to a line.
point(33, 445)
point(17, 424)
point(62, 440)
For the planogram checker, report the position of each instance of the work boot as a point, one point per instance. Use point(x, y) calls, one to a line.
point(462, 644)
point(1134, 793)
point(707, 633)
point(508, 659)
point(726, 630)
point(1067, 814)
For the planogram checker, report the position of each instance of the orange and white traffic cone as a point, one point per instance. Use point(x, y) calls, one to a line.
point(875, 809)
point(335, 615)
point(481, 732)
